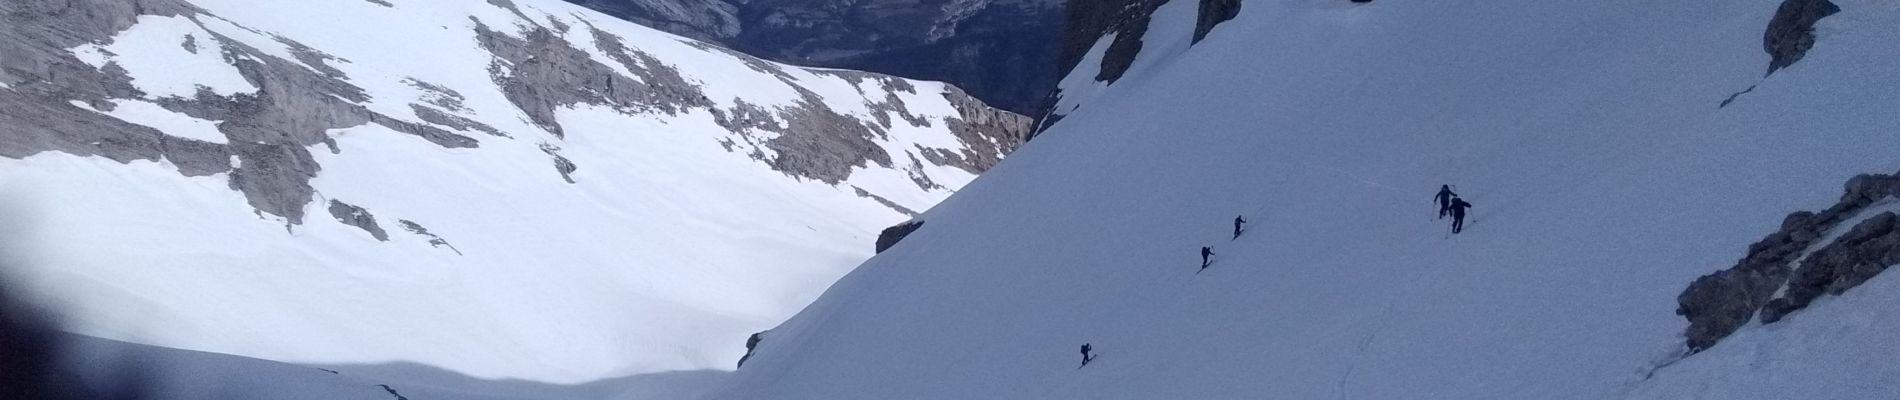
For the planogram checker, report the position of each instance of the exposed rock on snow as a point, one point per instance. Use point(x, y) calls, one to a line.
point(357, 217)
point(1865, 251)
point(896, 233)
point(751, 345)
point(601, 140)
point(1088, 21)
point(1214, 12)
point(1721, 302)
point(990, 132)
point(541, 72)
point(1791, 33)
point(434, 240)
point(299, 100)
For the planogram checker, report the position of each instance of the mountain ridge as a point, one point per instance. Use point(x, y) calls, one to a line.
point(428, 181)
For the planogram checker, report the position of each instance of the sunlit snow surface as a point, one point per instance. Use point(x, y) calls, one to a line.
point(664, 256)
point(1588, 135)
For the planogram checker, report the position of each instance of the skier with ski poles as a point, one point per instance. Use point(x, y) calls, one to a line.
point(1457, 208)
point(1205, 253)
point(1443, 198)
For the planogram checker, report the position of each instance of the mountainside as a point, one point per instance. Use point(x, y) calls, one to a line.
point(1621, 156)
point(499, 188)
point(1002, 51)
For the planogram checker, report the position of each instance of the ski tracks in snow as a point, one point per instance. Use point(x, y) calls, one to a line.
point(1359, 352)
point(1357, 178)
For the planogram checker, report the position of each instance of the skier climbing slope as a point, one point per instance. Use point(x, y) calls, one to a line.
point(1568, 294)
point(1443, 198)
point(1458, 207)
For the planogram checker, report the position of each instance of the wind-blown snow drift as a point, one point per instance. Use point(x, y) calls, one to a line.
point(1590, 135)
point(498, 188)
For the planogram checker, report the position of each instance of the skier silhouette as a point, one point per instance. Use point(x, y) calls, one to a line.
point(1205, 252)
point(1457, 208)
point(1085, 354)
point(1237, 222)
point(1444, 199)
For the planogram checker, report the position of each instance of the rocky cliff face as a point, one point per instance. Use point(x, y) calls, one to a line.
point(1791, 33)
point(1002, 51)
point(56, 101)
point(1214, 12)
point(1087, 22)
point(1814, 253)
point(1084, 23)
point(371, 145)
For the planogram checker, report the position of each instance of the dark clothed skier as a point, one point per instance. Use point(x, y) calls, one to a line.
point(1205, 252)
point(1085, 354)
point(1237, 222)
point(1458, 207)
point(1444, 199)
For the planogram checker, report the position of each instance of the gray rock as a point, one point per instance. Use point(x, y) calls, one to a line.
point(457, 122)
point(561, 164)
point(439, 96)
point(821, 144)
point(1851, 260)
point(1086, 22)
point(435, 241)
point(545, 73)
point(1791, 33)
point(1214, 12)
point(432, 134)
point(358, 217)
point(752, 345)
point(300, 99)
point(896, 233)
point(194, 157)
point(36, 115)
point(886, 202)
point(275, 178)
point(989, 134)
point(1130, 26)
point(1721, 302)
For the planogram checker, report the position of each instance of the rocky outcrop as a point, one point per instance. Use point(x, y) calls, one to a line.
point(1086, 22)
point(269, 131)
point(1791, 33)
point(37, 114)
point(434, 241)
point(1129, 23)
point(358, 217)
point(989, 134)
point(55, 102)
point(751, 345)
point(392, 392)
point(890, 236)
point(1866, 250)
point(542, 73)
point(1214, 12)
point(1788, 262)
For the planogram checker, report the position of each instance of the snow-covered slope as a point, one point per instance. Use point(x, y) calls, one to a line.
point(521, 189)
point(1608, 156)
